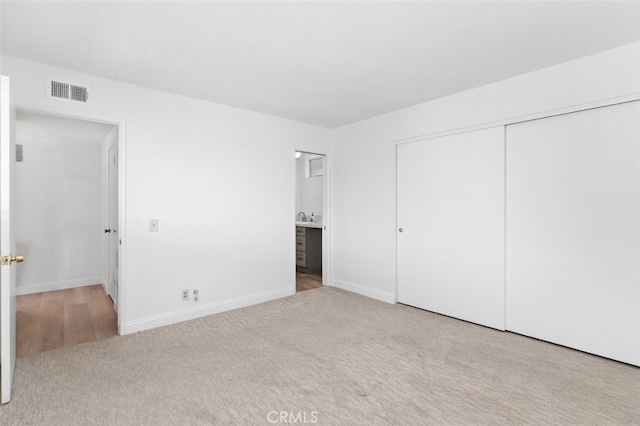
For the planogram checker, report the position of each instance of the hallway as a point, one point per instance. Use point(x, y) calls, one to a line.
point(53, 319)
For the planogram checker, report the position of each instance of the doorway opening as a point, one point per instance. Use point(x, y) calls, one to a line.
point(310, 219)
point(66, 224)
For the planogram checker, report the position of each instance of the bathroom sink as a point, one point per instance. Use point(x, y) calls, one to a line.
point(309, 224)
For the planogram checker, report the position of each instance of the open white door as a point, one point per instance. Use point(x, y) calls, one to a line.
point(7, 244)
point(113, 224)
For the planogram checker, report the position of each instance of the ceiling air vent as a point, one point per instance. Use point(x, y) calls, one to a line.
point(68, 91)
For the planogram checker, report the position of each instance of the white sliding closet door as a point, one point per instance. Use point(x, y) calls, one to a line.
point(573, 230)
point(451, 211)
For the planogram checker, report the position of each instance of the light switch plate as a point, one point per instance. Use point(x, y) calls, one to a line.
point(153, 225)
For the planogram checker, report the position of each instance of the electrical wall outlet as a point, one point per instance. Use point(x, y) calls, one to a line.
point(185, 294)
point(195, 295)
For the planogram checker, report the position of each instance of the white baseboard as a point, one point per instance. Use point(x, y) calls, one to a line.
point(371, 292)
point(57, 285)
point(204, 310)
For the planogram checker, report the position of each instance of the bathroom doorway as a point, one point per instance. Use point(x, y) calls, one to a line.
point(310, 223)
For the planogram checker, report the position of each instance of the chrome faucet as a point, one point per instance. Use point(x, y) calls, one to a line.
point(302, 217)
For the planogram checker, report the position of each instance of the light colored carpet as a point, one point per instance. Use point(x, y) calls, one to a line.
point(331, 355)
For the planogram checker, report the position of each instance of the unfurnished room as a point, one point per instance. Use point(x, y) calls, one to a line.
point(320, 212)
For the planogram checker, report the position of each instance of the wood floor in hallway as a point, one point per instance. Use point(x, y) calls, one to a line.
point(307, 281)
point(52, 319)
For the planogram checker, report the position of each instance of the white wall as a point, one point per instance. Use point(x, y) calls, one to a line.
point(187, 164)
point(309, 191)
point(363, 252)
point(57, 213)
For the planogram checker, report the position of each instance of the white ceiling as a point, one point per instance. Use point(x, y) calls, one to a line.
point(326, 63)
point(49, 127)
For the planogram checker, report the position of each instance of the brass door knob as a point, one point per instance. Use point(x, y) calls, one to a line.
point(400, 229)
point(107, 231)
point(8, 260)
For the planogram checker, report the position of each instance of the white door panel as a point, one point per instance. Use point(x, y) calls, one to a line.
point(114, 235)
point(451, 211)
point(7, 243)
point(573, 230)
